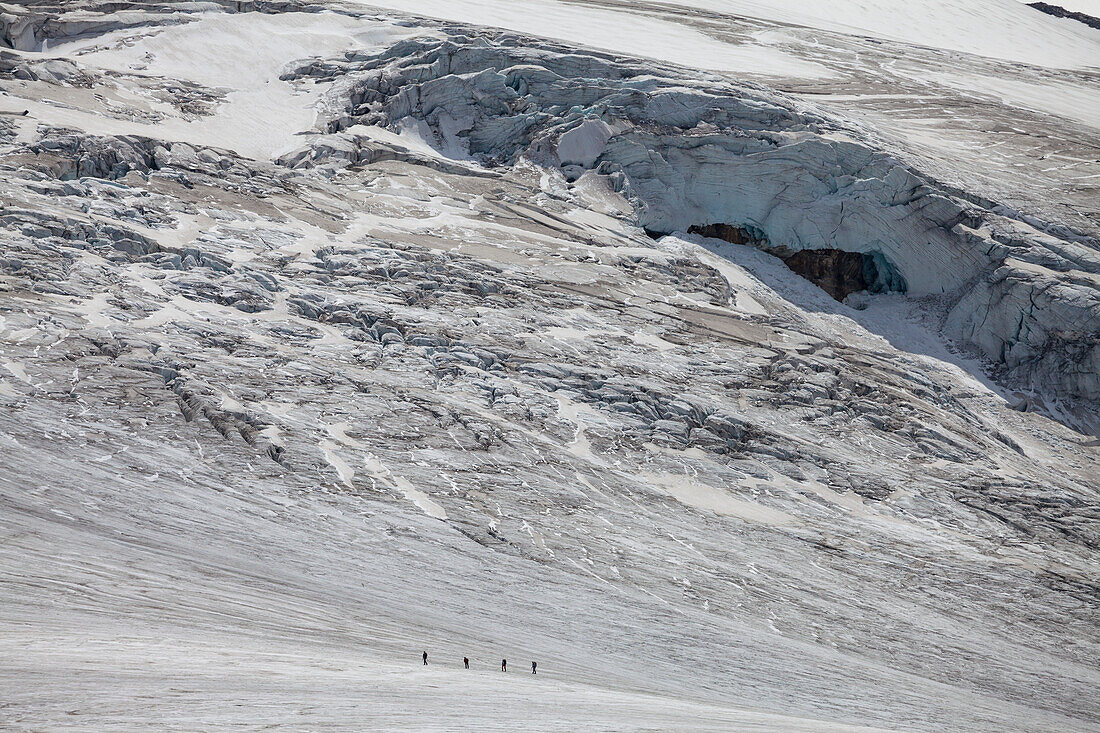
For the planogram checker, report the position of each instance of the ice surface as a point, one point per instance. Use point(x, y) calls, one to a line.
point(289, 395)
point(690, 154)
point(584, 144)
point(242, 56)
point(615, 30)
point(1002, 29)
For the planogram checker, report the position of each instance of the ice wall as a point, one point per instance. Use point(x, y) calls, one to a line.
point(693, 150)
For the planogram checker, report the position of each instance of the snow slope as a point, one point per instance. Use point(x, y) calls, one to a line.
point(1001, 29)
point(259, 115)
point(291, 391)
point(615, 29)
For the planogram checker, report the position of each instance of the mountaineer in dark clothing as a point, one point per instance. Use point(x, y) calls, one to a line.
point(425, 657)
point(466, 661)
point(504, 665)
point(533, 666)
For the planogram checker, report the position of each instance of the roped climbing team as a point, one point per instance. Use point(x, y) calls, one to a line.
point(503, 663)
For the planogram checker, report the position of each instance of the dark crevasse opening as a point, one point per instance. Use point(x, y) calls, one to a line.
point(730, 233)
point(835, 271)
point(838, 272)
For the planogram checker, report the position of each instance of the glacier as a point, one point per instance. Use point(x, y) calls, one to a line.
point(693, 155)
point(737, 362)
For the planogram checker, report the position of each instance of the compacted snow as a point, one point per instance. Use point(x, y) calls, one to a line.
point(616, 29)
point(259, 114)
point(1000, 29)
point(331, 335)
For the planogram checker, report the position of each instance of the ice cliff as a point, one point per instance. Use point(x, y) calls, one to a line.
point(692, 151)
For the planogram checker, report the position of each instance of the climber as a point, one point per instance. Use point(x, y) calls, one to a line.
point(425, 657)
point(534, 665)
point(466, 661)
point(504, 665)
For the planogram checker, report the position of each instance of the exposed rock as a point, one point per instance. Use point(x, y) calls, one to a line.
point(836, 272)
point(1059, 12)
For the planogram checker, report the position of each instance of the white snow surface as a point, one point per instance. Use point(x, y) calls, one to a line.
point(617, 29)
point(242, 55)
point(1001, 29)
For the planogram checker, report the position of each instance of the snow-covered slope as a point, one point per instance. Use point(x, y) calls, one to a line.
point(692, 156)
point(999, 29)
point(258, 115)
point(618, 29)
point(329, 336)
